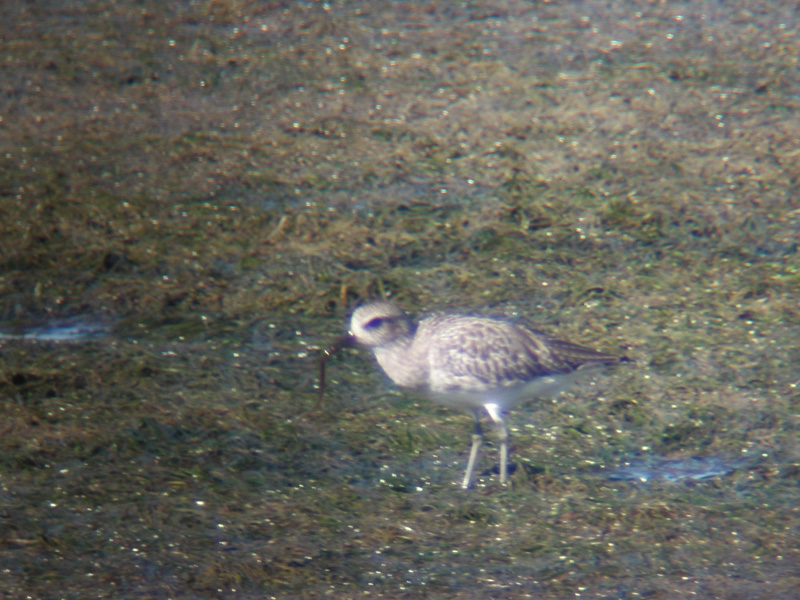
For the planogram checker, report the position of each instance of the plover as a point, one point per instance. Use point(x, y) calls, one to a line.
point(468, 362)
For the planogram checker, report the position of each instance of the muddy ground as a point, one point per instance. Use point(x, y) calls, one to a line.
point(193, 196)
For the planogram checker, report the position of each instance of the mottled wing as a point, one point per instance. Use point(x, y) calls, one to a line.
point(475, 354)
point(575, 356)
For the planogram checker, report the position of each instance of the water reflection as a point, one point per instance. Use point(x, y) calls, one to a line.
point(693, 468)
point(70, 330)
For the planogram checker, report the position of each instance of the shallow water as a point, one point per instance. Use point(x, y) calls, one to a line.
point(74, 330)
point(693, 468)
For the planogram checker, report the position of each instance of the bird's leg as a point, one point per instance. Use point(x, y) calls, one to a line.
point(497, 416)
point(477, 440)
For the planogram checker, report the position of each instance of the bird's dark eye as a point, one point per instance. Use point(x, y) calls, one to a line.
point(374, 323)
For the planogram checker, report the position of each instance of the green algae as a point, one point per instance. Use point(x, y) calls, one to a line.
point(225, 180)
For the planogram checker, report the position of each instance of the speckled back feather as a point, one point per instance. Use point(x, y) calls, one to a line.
point(477, 353)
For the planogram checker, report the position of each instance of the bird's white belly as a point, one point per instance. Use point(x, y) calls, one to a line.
point(505, 397)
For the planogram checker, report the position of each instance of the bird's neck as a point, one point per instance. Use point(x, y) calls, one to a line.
point(399, 361)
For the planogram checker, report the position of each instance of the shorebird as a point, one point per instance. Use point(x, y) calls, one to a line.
point(468, 362)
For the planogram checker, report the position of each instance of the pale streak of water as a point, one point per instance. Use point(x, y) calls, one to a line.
point(693, 468)
point(74, 330)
